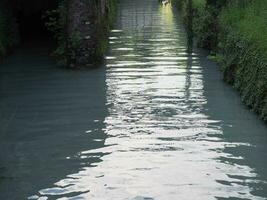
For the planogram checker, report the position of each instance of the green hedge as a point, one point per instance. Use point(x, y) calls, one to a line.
point(203, 20)
point(243, 49)
point(236, 30)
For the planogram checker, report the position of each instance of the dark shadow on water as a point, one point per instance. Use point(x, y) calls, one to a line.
point(48, 116)
point(240, 127)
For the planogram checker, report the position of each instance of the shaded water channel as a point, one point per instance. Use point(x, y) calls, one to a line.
point(153, 123)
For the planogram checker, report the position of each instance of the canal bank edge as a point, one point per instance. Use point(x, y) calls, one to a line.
point(236, 39)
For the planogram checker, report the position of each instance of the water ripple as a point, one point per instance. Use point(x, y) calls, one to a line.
point(161, 143)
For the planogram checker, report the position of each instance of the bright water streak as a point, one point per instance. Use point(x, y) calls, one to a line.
point(173, 130)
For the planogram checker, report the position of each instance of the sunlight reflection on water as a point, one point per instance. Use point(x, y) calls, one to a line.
point(161, 143)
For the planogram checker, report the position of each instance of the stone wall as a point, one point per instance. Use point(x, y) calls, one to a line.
point(87, 20)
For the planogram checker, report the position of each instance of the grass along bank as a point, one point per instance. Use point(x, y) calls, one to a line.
point(243, 51)
point(236, 33)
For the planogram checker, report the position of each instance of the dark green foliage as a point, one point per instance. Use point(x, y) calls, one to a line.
point(103, 31)
point(205, 27)
point(189, 19)
point(236, 31)
point(67, 45)
point(206, 13)
point(243, 47)
point(56, 22)
point(204, 18)
point(9, 36)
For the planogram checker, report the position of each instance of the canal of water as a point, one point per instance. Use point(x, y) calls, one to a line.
point(153, 123)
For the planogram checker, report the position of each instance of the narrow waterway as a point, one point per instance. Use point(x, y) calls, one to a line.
point(154, 123)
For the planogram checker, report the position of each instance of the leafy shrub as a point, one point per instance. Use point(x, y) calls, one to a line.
point(103, 31)
point(243, 47)
point(68, 45)
point(204, 22)
point(237, 31)
point(205, 27)
point(56, 22)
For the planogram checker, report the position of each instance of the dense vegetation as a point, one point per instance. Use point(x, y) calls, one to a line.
point(235, 32)
point(79, 41)
point(103, 30)
point(69, 44)
point(244, 49)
